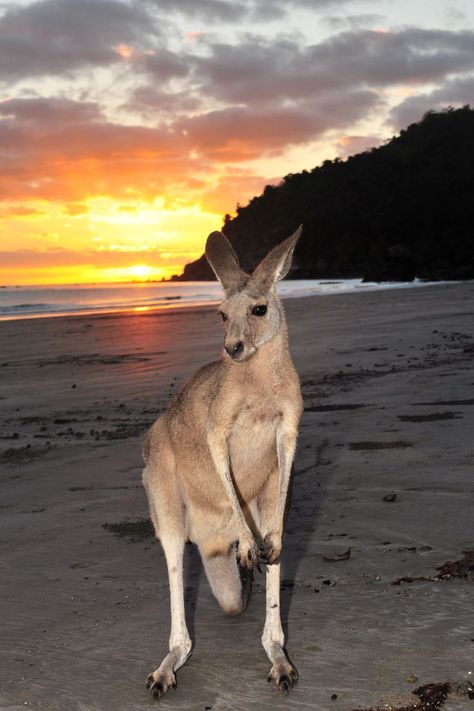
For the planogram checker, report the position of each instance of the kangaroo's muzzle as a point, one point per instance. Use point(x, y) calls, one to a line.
point(235, 349)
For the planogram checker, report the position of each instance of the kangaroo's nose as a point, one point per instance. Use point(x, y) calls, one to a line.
point(235, 349)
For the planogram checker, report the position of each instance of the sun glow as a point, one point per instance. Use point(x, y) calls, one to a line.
point(101, 239)
point(141, 271)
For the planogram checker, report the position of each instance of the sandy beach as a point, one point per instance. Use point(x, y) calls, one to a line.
point(382, 497)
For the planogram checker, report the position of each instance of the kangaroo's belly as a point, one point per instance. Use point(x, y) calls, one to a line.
point(253, 452)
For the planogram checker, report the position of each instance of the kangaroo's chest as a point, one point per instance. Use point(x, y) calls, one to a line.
point(252, 441)
point(258, 414)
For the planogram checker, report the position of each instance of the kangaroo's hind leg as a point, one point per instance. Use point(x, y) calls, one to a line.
point(167, 512)
point(162, 678)
point(283, 673)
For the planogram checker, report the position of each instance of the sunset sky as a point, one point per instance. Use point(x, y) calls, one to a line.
point(129, 128)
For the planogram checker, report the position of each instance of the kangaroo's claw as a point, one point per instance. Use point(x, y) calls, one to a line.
point(158, 683)
point(284, 675)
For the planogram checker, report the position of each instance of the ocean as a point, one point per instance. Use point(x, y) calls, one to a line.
point(20, 302)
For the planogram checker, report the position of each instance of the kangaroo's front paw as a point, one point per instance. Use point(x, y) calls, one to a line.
point(248, 553)
point(284, 675)
point(159, 681)
point(271, 548)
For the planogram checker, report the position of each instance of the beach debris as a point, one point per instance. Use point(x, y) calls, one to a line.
point(327, 583)
point(430, 698)
point(21, 455)
point(126, 429)
point(397, 444)
point(463, 569)
point(334, 407)
point(34, 511)
point(390, 497)
point(431, 417)
point(446, 403)
point(95, 359)
point(138, 531)
point(458, 568)
point(338, 557)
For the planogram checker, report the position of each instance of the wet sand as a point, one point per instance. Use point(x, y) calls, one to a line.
point(382, 500)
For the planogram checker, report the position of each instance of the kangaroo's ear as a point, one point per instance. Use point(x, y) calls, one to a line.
point(277, 263)
point(224, 261)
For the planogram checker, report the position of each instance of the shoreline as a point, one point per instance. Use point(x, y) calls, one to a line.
point(174, 304)
point(132, 311)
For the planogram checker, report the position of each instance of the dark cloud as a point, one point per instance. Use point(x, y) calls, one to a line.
point(245, 133)
point(233, 11)
point(317, 4)
point(255, 70)
point(163, 64)
point(287, 6)
point(410, 55)
point(458, 92)
point(57, 36)
point(258, 70)
point(50, 113)
point(209, 10)
point(151, 100)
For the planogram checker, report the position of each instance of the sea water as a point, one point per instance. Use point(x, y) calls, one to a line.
point(19, 302)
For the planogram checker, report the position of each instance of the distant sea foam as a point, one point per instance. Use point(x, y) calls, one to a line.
point(69, 300)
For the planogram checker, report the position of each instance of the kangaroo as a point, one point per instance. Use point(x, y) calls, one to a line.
point(218, 462)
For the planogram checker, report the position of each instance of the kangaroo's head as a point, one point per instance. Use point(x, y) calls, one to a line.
point(251, 311)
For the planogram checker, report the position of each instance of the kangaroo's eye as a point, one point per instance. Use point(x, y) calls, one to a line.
point(259, 310)
point(223, 315)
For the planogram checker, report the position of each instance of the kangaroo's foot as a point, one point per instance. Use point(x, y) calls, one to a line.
point(163, 678)
point(158, 682)
point(284, 674)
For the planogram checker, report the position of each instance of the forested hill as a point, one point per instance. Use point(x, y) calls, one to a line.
point(404, 209)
